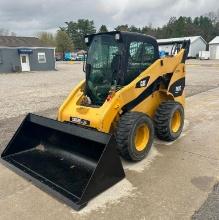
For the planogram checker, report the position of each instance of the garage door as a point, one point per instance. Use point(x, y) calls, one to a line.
point(217, 52)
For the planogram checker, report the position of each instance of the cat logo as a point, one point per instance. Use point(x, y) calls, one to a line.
point(143, 83)
point(178, 89)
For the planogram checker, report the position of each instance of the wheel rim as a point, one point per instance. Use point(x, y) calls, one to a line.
point(141, 137)
point(176, 121)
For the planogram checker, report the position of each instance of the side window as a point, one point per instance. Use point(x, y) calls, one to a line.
point(134, 61)
point(148, 54)
point(135, 50)
point(141, 56)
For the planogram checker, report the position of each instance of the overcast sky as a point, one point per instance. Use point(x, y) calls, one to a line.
point(27, 17)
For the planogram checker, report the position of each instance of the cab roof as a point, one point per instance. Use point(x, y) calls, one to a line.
point(128, 35)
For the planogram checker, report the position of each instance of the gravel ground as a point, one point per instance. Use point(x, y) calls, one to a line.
point(201, 76)
point(37, 91)
point(210, 208)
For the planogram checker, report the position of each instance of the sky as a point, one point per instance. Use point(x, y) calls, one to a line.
point(28, 17)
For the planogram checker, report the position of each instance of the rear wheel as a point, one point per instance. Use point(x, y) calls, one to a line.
point(169, 120)
point(134, 135)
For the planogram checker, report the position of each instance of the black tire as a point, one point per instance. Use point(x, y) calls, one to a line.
point(128, 125)
point(164, 120)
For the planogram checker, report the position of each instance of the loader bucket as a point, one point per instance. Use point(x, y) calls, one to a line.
point(71, 162)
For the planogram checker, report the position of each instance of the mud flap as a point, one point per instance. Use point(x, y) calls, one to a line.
point(73, 163)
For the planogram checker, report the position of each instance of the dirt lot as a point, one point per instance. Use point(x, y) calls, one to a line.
point(37, 91)
point(174, 182)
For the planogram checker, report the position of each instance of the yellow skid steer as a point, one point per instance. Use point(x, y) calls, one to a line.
point(129, 95)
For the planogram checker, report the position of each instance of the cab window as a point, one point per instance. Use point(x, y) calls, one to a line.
point(141, 56)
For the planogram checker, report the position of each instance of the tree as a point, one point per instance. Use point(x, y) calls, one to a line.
point(206, 26)
point(186, 26)
point(77, 30)
point(217, 29)
point(132, 28)
point(148, 30)
point(122, 28)
point(103, 28)
point(63, 42)
point(47, 38)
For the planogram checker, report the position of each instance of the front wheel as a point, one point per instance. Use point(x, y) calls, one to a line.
point(134, 135)
point(169, 120)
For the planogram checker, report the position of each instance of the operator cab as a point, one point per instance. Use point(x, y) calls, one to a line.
point(114, 60)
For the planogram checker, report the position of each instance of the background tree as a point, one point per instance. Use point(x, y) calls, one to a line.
point(124, 27)
point(132, 28)
point(47, 38)
point(77, 30)
point(63, 42)
point(103, 28)
point(149, 30)
point(206, 26)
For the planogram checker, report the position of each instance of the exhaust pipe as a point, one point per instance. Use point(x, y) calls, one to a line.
point(73, 163)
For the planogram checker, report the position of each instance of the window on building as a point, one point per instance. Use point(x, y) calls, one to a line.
point(23, 59)
point(41, 57)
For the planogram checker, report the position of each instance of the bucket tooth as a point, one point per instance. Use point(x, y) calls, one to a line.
point(73, 163)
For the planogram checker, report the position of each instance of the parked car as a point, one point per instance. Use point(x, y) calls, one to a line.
point(81, 57)
point(67, 56)
point(58, 56)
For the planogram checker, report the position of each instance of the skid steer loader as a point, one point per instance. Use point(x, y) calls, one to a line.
point(129, 94)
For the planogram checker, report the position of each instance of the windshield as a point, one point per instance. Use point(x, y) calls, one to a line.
point(103, 61)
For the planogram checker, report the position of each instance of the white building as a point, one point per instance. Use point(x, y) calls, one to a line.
point(197, 44)
point(214, 48)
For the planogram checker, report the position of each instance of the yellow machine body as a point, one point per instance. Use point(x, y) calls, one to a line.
point(104, 118)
